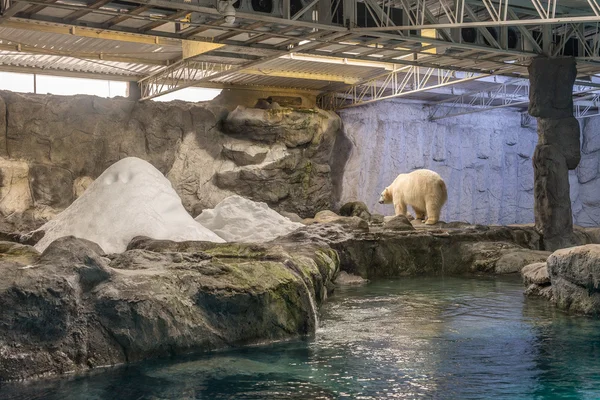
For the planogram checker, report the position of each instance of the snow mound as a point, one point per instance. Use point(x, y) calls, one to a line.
point(237, 219)
point(131, 198)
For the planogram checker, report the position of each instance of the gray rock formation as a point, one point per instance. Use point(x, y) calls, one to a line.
point(575, 277)
point(381, 252)
point(536, 273)
point(398, 223)
point(51, 147)
point(536, 279)
point(557, 150)
point(75, 308)
point(355, 209)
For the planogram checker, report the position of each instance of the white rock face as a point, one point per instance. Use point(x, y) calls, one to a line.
point(484, 158)
point(131, 198)
point(237, 219)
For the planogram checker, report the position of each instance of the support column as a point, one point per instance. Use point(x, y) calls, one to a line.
point(558, 148)
point(133, 91)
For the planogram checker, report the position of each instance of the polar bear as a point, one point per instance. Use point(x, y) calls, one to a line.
point(422, 189)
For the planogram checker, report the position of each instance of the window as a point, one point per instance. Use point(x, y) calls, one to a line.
point(71, 86)
point(191, 94)
point(16, 82)
point(47, 84)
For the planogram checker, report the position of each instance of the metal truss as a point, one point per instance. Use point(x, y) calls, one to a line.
point(178, 76)
point(513, 93)
point(508, 94)
point(589, 108)
point(504, 34)
point(442, 14)
point(400, 82)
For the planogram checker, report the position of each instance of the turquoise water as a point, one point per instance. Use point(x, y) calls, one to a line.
point(451, 338)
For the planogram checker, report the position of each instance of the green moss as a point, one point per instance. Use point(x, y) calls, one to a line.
point(307, 111)
point(244, 251)
point(308, 169)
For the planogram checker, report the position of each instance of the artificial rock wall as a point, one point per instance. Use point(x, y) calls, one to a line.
point(485, 159)
point(52, 147)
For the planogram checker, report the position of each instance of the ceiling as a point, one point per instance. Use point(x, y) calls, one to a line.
point(349, 52)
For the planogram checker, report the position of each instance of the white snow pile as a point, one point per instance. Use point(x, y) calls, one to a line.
point(131, 198)
point(237, 219)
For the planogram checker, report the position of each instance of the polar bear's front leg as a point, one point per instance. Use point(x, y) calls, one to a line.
point(400, 208)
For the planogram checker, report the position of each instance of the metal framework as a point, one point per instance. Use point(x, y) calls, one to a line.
point(184, 74)
point(400, 82)
point(589, 108)
point(423, 42)
point(507, 94)
point(512, 93)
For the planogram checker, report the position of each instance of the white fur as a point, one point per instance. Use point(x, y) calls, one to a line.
point(422, 189)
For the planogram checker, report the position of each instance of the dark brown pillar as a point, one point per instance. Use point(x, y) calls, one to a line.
point(551, 102)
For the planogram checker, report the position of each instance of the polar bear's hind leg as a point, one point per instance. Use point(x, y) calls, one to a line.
point(419, 214)
point(433, 213)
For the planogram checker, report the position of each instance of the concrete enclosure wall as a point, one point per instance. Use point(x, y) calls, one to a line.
point(485, 159)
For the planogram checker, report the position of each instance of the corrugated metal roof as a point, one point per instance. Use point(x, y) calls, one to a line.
point(71, 43)
point(43, 61)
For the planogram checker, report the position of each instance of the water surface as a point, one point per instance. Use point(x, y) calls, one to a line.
point(434, 338)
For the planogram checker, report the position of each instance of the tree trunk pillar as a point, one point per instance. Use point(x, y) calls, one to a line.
point(558, 148)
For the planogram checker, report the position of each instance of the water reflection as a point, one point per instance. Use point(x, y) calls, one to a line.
point(412, 339)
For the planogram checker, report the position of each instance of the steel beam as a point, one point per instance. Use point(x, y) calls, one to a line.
point(513, 93)
point(397, 83)
point(183, 74)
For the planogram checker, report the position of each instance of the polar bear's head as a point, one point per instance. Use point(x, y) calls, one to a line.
point(386, 196)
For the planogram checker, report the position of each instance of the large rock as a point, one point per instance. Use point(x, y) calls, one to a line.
point(292, 127)
point(76, 310)
point(499, 257)
point(536, 273)
point(398, 223)
point(355, 209)
point(575, 277)
point(131, 198)
point(244, 153)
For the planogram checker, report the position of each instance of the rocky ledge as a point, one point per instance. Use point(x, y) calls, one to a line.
point(401, 248)
point(72, 307)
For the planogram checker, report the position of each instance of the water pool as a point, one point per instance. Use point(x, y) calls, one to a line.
point(433, 338)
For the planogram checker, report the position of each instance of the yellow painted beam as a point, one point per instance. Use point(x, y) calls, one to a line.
point(191, 48)
point(89, 32)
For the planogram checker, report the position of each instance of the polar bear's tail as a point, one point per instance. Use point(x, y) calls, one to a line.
point(443, 192)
